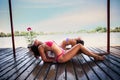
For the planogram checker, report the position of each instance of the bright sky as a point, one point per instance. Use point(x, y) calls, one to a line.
point(58, 15)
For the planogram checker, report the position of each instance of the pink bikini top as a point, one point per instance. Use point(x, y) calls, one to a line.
point(49, 43)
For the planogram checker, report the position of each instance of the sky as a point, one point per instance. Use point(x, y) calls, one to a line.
point(58, 15)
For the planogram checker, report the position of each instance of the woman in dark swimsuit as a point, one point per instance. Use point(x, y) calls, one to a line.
point(72, 42)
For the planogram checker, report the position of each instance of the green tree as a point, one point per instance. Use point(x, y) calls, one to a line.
point(17, 33)
point(2, 34)
point(100, 29)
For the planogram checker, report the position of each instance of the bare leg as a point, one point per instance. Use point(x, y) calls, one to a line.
point(73, 51)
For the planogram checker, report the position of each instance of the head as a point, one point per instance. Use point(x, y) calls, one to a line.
point(37, 43)
point(35, 51)
point(80, 41)
point(34, 48)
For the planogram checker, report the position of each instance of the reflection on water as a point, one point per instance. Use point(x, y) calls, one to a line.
point(91, 39)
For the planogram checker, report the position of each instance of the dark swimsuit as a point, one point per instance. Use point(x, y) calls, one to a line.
point(80, 41)
point(77, 41)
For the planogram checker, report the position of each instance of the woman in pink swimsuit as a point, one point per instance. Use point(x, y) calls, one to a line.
point(40, 49)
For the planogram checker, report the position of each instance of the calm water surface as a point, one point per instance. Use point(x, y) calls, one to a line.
point(91, 39)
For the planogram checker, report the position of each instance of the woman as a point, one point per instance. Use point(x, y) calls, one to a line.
point(40, 49)
point(72, 42)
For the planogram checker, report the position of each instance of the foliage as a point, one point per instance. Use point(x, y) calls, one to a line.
point(30, 35)
point(100, 29)
point(116, 29)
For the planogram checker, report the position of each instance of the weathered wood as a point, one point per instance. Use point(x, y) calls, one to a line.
point(60, 74)
point(80, 67)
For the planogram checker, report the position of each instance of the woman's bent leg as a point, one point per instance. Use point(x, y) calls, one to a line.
point(74, 50)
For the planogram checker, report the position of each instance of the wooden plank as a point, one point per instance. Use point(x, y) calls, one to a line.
point(117, 47)
point(52, 72)
point(8, 61)
point(60, 74)
point(43, 72)
point(111, 52)
point(79, 71)
point(113, 61)
point(113, 70)
point(70, 74)
point(80, 67)
point(105, 69)
point(11, 63)
point(117, 59)
point(15, 68)
point(3, 49)
point(6, 50)
point(18, 70)
point(8, 56)
point(112, 67)
point(27, 70)
point(34, 73)
point(7, 68)
point(98, 70)
point(111, 55)
point(88, 70)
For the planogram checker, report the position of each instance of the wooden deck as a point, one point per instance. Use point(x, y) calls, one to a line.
point(81, 67)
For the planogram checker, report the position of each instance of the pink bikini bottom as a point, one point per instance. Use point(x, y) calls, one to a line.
point(57, 57)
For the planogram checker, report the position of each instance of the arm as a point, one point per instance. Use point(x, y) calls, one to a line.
point(43, 55)
point(49, 56)
point(63, 45)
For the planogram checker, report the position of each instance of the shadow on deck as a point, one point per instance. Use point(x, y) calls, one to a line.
point(81, 67)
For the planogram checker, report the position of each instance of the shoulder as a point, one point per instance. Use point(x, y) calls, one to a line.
point(41, 46)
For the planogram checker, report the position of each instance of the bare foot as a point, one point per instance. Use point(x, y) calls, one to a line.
point(99, 58)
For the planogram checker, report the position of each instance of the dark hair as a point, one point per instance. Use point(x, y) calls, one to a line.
point(80, 41)
point(34, 49)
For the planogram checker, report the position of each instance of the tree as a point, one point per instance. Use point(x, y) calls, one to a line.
point(2, 34)
point(100, 29)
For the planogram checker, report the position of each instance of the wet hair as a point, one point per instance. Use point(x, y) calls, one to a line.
point(35, 51)
point(80, 41)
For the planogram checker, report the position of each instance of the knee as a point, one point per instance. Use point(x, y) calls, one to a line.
point(61, 60)
point(79, 45)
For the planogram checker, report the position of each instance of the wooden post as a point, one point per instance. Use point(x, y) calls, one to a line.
point(12, 29)
point(108, 26)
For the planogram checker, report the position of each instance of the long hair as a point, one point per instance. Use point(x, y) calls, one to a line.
point(35, 51)
point(80, 41)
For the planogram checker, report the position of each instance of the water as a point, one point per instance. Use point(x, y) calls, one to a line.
point(91, 39)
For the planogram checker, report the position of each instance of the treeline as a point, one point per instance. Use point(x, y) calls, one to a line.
point(25, 33)
point(17, 33)
point(100, 30)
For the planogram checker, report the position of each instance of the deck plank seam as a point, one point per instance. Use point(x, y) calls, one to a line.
point(20, 68)
point(92, 69)
point(47, 71)
point(11, 60)
point(9, 57)
point(83, 69)
point(74, 70)
point(25, 68)
point(33, 69)
point(111, 68)
point(20, 61)
point(102, 69)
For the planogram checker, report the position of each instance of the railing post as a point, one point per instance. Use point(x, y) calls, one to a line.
point(12, 29)
point(108, 26)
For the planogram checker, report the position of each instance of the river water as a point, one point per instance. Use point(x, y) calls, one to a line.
point(91, 39)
